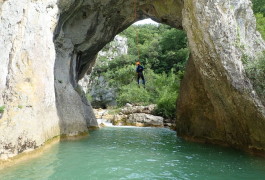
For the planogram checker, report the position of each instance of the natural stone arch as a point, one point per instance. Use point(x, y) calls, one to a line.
point(215, 86)
point(83, 30)
point(59, 39)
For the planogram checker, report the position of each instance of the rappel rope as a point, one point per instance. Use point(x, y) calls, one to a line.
point(137, 34)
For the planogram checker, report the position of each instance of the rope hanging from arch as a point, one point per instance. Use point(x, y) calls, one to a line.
point(137, 34)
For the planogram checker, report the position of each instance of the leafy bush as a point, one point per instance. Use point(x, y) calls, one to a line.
point(256, 72)
point(133, 94)
point(166, 105)
point(259, 6)
point(121, 76)
point(161, 89)
point(167, 86)
point(261, 24)
point(160, 46)
point(2, 109)
point(259, 10)
point(162, 49)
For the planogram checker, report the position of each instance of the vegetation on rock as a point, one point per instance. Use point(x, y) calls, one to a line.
point(259, 10)
point(261, 24)
point(255, 69)
point(256, 72)
point(2, 109)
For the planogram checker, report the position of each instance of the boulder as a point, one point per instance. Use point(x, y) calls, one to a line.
point(130, 109)
point(141, 119)
point(119, 120)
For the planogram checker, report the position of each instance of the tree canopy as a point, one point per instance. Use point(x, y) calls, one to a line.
point(259, 6)
point(259, 10)
point(163, 53)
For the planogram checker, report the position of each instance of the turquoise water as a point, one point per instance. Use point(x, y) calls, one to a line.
point(137, 153)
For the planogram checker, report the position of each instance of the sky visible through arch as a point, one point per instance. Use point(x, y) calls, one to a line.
point(146, 21)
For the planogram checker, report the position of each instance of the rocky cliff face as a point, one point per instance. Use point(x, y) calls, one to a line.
point(27, 55)
point(100, 91)
point(48, 46)
point(217, 102)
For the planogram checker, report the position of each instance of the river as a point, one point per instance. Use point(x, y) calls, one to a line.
point(113, 153)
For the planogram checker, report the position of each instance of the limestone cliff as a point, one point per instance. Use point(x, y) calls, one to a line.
point(48, 46)
point(27, 55)
point(217, 102)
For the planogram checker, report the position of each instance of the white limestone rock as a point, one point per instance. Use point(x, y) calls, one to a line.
point(138, 109)
point(142, 119)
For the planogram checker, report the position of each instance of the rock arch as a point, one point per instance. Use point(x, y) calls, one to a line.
point(48, 46)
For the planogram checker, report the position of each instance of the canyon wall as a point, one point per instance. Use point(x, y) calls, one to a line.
point(48, 46)
point(27, 55)
point(217, 102)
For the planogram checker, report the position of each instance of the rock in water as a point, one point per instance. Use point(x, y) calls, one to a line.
point(130, 109)
point(142, 119)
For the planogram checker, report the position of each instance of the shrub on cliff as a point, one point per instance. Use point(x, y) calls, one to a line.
point(261, 24)
point(2, 109)
point(256, 72)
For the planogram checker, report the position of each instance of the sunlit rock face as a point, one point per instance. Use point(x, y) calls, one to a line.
point(217, 103)
point(48, 46)
point(27, 56)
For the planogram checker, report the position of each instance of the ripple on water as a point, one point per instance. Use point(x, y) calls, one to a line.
point(137, 153)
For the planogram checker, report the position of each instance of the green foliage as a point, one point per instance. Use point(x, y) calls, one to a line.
point(89, 97)
point(161, 89)
point(160, 46)
point(104, 65)
point(2, 109)
point(166, 105)
point(163, 54)
point(259, 6)
point(256, 72)
point(20, 106)
point(173, 40)
point(261, 24)
point(131, 93)
point(121, 76)
point(259, 10)
point(167, 95)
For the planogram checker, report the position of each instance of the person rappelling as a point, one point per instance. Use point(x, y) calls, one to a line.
point(139, 72)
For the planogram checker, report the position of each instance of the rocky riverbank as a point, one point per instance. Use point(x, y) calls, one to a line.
point(130, 115)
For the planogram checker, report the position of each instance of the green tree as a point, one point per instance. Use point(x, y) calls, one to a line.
point(261, 24)
point(259, 10)
point(259, 6)
point(160, 46)
point(164, 53)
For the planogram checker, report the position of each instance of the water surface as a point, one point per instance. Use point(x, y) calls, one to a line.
point(137, 153)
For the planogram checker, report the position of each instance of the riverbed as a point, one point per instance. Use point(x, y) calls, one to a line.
point(113, 153)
